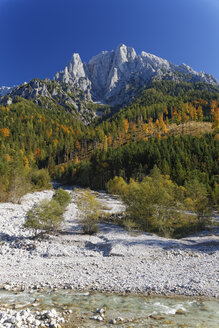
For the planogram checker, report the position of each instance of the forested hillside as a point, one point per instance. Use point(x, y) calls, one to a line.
point(33, 138)
point(182, 158)
point(153, 129)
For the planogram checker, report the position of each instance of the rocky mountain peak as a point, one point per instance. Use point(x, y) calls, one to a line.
point(183, 68)
point(124, 54)
point(75, 75)
point(75, 67)
point(110, 76)
point(154, 61)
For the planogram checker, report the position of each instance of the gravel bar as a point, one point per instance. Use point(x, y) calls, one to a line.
point(113, 260)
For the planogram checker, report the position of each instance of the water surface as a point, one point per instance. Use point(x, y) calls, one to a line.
point(137, 311)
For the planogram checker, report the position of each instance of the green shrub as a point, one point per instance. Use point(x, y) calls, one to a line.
point(197, 201)
point(117, 185)
point(18, 185)
point(62, 197)
point(158, 205)
point(40, 179)
point(129, 224)
point(46, 216)
point(150, 201)
point(90, 210)
point(216, 196)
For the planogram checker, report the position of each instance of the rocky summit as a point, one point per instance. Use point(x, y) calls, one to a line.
point(114, 77)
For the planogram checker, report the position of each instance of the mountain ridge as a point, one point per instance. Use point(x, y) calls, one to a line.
point(113, 77)
point(50, 94)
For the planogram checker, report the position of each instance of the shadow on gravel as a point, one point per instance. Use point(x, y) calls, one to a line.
point(8, 238)
point(105, 228)
point(104, 248)
point(20, 242)
point(109, 234)
point(207, 246)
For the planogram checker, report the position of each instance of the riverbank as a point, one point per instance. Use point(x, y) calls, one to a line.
point(112, 261)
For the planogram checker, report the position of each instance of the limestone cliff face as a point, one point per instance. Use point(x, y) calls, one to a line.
point(99, 68)
point(75, 75)
point(113, 77)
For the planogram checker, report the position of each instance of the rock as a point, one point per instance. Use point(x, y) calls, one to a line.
point(51, 314)
point(11, 320)
point(180, 311)
point(36, 322)
point(7, 287)
point(156, 317)
point(61, 320)
point(25, 318)
point(97, 318)
point(119, 319)
point(101, 311)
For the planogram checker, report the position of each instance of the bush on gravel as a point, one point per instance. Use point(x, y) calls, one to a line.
point(46, 216)
point(62, 197)
point(90, 211)
point(157, 204)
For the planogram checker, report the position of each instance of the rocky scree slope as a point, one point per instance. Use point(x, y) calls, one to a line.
point(114, 77)
point(53, 95)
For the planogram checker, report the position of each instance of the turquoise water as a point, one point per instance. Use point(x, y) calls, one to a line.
point(137, 311)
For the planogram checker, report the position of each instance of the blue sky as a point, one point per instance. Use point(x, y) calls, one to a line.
point(38, 37)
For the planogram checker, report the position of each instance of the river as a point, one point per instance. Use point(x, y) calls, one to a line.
point(136, 310)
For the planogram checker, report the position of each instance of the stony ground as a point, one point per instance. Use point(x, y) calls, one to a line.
point(113, 260)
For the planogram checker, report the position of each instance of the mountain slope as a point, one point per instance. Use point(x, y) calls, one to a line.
point(114, 77)
point(50, 94)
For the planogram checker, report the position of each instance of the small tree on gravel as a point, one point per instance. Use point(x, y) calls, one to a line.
point(90, 210)
point(19, 186)
point(47, 216)
point(62, 197)
point(198, 202)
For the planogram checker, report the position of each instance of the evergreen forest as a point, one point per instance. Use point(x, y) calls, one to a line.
point(173, 126)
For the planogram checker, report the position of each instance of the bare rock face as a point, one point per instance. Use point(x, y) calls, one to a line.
point(75, 75)
point(99, 68)
point(113, 77)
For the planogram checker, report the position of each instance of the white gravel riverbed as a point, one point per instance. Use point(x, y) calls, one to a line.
point(111, 261)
